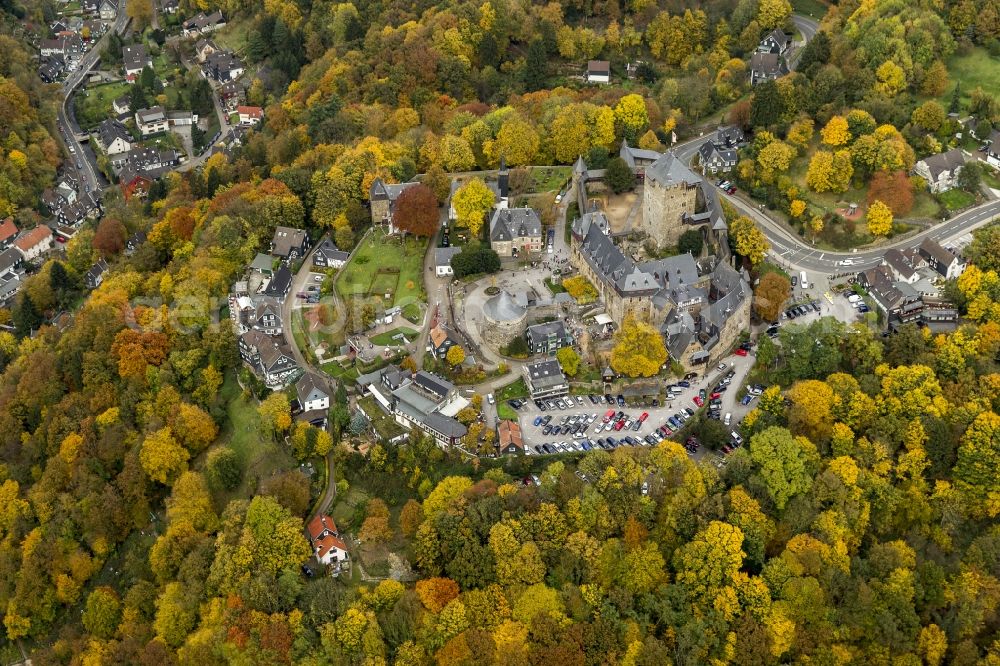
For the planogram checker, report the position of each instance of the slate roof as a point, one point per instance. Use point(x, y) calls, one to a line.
point(669, 171)
point(286, 238)
point(308, 384)
point(444, 255)
point(502, 307)
point(942, 162)
point(280, 282)
point(552, 328)
point(546, 373)
point(768, 64)
point(9, 258)
point(510, 223)
point(633, 155)
point(708, 150)
point(109, 130)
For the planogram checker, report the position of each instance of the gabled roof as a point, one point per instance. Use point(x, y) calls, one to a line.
point(779, 36)
point(768, 64)
point(97, 270)
point(252, 111)
point(9, 258)
point(7, 229)
point(509, 432)
point(280, 282)
point(36, 236)
point(933, 249)
point(944, 162)
point(599, 67)
point(319, 524)
point(669, 171)
point(444, 255)
point(439, 335)
point(286, 238)
point(546, 373)
point(308, 384)
point(109, 130)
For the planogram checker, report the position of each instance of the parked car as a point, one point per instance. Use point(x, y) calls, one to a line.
point(537, 421)
point(722, 366)
point(741, 352)
point(684, 384)
point(698, 400)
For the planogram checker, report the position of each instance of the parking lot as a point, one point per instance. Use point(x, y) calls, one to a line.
point(582, 425)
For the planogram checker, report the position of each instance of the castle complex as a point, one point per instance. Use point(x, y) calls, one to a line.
point(700, 306)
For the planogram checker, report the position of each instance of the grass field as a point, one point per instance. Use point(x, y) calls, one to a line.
point(975, 69)
point(383, 424)
point(375, 252)
point(813, 8)
point(233, 36)
point(548, 179)
point(516, 389)
point(386, 338)
point(95, 106)
point(991, 177)
point(259, 457)
point(956, 199)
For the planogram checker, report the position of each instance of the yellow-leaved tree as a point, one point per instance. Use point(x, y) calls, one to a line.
point(748, 240)
point(638, 349)
point(836, 132)
point(471, 202)
point(879, 219)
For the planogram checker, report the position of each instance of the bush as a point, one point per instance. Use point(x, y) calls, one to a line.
point(475, 260)
point(619, 176)
point(518, 348)
point(580, 289)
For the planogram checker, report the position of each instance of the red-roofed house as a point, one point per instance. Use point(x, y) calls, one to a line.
point(509, 437)
point(327, 544)
point(250, 115)
point(34, 243)
point(134, 184)
point(7, 232)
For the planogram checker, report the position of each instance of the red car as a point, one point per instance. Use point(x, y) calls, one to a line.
point(741, 352)
point(643, 417)
point(619, 425)
point(698, 401)
point(607, 417)
point(715, 396)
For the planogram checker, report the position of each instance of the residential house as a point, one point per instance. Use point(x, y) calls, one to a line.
point(134, 183)
point(329, 548)
point(328, 255)
point(108, 10)
point(440, 341)
point(89, 6)
point(382, 197)
point(152, 121)
point(268, 357)
point(547, 338)
point(135, 58)
point(262, 263)
point(95, 276)
point(312, 392)
point(715, 159)
point(777, 41)
point(250, 115)
point(515, 230)
point(10, 259)
point(941, 171)
point(50, 47)
point(897, 300)
point(947, 264)
point(222, 66)
point(509, 438)
point(134, 242)
point(598, 71)
point(87, 207)
point(232, 94)
point(545, 379)
point(265, 316)
point(279, 284)
point(766, 66)
point(114, 137)
point(202, 24)
point(50, 68)
point(10, 284)
point(993, 150)
point(903, 265)
point(33, 244)
point(8, 231)
point(422, 400)
point(122, 105)
point(170, 6)
point(204, 48)
point(729, 136)
point(442, 260)
point(289, 244)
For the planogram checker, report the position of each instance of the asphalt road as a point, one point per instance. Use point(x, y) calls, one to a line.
point(67, 123)
point(808, 28)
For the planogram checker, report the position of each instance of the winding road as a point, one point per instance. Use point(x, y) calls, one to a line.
point(67, 122)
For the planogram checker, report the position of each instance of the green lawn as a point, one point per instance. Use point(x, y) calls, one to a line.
point(991, 177)
point(259, 457)
point(95, 105)
point(337, 371)
point(976, 69)
point(516, 389)
point(548, 179)
point(813, 8)
point(376, 252)
point(233, 36)
point(956, 199)
point(387, 338)
point(505, 411)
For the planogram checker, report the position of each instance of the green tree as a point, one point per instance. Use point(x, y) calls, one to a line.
point(102, 612)
point(783, 463)
point(691, 241)
point(223, 469)
point(970, 177)
point(638, 349)
point(767, 105)
point(619, 176)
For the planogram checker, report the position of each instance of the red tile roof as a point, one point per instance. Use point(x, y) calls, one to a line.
point(320, 523)
point(252, 111)
point(37, 235)
point(509, 432)
point(8, 229)
point(328, 543)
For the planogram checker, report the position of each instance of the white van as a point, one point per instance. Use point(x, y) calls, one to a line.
point(736, 437)
point(728, 419)
point(489, 397)
point(803, 281)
